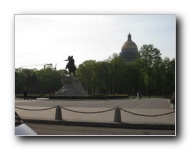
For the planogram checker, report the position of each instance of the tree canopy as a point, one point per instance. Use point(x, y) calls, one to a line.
point(149, 74)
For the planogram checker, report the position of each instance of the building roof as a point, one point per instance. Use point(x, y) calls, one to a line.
point(129, 50)
point(129, 43)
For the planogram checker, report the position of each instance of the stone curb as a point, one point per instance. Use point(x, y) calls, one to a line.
point(101, 124)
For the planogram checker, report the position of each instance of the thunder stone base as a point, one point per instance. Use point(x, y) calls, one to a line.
point(71, 87)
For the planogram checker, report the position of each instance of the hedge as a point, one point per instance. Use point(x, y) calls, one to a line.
point(74, 97)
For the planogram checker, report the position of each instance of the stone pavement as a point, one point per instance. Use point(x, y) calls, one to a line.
point(77, 114)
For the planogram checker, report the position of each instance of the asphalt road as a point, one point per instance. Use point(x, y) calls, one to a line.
point(62, 130)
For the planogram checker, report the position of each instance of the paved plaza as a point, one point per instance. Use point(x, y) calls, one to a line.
point(136, 111)
point(144, 103)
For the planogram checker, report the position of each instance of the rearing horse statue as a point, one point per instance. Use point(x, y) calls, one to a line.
point(70, 65)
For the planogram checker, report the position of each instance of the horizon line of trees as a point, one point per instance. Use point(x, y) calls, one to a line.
point(148, 74)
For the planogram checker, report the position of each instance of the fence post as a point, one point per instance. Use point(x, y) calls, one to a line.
point(58, 114)
point(117, 116)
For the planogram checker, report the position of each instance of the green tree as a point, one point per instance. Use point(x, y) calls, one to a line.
point(25, 79)
point(133, 78)
point(18, 82)
point(149, 57)
point(103, 78)
point(117, 74)
point(49, 80)
point(168, 74)
point(157, 78)
point(87, 75)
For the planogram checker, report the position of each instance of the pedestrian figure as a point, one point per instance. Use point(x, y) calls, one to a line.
point(137, 95)
point(25, 95)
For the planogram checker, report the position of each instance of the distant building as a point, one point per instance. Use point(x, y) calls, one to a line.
point(129, 50)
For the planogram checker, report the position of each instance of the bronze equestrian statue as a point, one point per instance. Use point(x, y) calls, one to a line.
point(71, 65)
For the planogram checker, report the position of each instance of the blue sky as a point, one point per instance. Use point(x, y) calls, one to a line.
point(41, 39)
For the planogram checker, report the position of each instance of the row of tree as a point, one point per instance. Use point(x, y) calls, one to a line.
point(35, 81)
point(149, 74)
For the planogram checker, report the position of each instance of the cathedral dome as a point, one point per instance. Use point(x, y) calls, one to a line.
point(129, 43)
point(129, 50)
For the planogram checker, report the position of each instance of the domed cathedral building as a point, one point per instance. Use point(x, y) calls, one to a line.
point(129, 50)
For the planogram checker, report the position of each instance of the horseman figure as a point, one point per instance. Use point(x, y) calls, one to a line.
point(71, 65)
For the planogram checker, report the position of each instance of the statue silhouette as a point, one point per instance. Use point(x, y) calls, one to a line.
point(71, 65)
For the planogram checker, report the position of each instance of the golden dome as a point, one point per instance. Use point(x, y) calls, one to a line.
point(129, 50)
point(129, 43)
